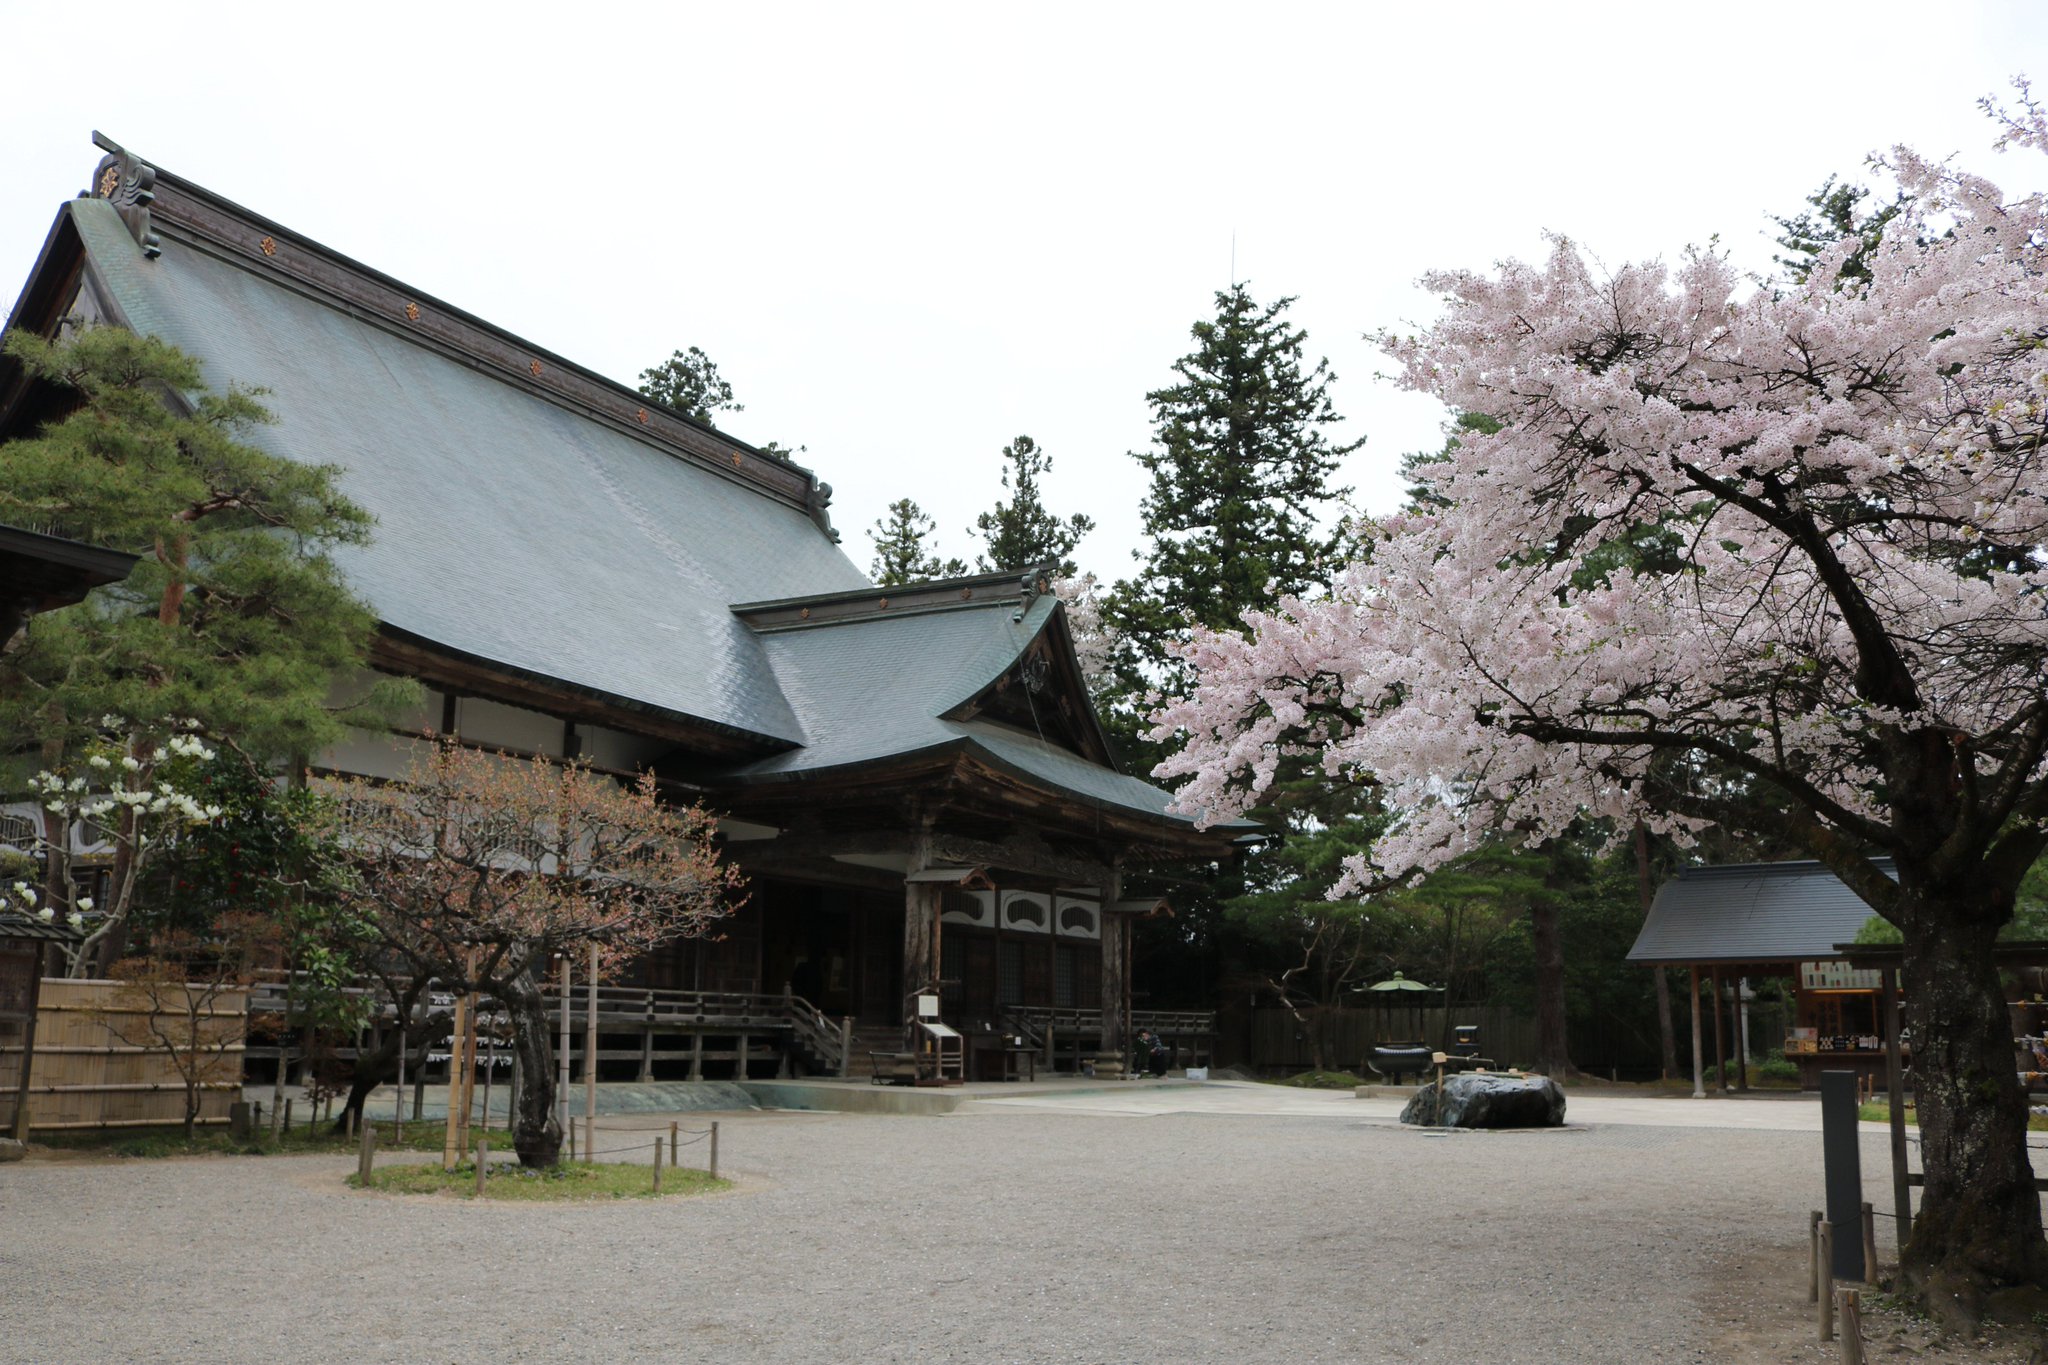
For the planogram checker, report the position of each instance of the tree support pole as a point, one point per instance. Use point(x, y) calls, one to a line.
point(590, 1048)
point(562, 1089)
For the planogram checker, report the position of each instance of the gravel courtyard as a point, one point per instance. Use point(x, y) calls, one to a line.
point(997, 1234)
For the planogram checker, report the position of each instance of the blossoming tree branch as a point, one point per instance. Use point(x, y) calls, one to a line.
point(477, 869)
point(1847, 628)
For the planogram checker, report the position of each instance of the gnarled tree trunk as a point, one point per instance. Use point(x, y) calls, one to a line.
point(1553, 1049)
point(536, 1130)
point(1979, 1225)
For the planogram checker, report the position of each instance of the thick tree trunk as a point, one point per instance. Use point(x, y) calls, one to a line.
point(1553, 1050)
point(536, 1129)
point(1979, 1226)
point(379, 1065)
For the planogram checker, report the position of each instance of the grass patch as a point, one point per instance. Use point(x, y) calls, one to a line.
point(422, 1135)
point(572, 1180)
point(1323, 1080)
point(1879, 1111)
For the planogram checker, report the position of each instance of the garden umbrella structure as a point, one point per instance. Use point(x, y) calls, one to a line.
point(1398, 988)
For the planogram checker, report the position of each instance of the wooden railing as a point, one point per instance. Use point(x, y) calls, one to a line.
point(784, 1022)
point(793, 1028)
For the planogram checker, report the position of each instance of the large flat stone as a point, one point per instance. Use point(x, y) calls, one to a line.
point(10, 1150)
point(1487, 1099)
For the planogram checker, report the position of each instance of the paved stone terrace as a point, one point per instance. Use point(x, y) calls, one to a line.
point(1158, 1226)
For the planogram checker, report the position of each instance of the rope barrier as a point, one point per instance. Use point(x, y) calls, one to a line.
point(640, 1147)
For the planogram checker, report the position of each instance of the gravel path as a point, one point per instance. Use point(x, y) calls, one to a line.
point(996, 1235)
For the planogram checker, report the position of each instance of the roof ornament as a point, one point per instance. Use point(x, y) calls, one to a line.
point(817, 504)
point(129, 184)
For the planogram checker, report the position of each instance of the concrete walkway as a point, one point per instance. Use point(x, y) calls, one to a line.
point(1148, 1098)
point(1790, 1113)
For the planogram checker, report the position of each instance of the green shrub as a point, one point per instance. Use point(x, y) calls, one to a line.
point(1324, 1080)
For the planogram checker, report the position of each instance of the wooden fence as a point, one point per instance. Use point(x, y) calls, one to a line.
point(1278, 1042)
point(85, 1076)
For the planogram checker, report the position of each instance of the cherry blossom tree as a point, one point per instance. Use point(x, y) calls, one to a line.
point(1850, 470)
point(477, 869)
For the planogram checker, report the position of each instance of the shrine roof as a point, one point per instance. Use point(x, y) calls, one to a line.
point(1752, 912)
point(873, 687)
point(538, 519)
point(526, 514)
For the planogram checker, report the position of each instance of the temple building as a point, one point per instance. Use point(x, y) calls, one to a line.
point(912, 778)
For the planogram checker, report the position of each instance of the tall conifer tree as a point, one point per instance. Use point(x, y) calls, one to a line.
point(901, 552)
point(1241, 501)
point(1021, 533)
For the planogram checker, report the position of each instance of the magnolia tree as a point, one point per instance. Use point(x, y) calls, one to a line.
point(477, 869)
point(135, 786)
point(1846, 481)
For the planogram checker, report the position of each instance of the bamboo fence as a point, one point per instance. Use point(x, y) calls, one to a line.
point(85, 1076)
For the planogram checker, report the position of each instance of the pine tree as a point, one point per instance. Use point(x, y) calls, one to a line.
point(1239, 508)
point(1021, 533)
point(1834, 211)
point(1240, 499)
point(901, 555)
point(689, 382)
point(235, 623)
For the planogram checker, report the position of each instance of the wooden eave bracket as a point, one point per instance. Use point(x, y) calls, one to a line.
point(1155, 908)
point(966, 878)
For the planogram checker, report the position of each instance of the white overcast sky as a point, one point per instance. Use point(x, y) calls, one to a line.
point(909, 233)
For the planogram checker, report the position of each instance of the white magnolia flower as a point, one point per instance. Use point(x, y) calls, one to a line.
point(46, 914)
point(98, 761)
point(131, 763)
point(75, 920)
point(85, 902)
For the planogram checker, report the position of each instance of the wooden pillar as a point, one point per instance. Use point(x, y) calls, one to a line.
point(1895, 1095)
point(1116, 940)
point(1699, 1066)
point(920, 941)
point(1720, 1051)
point(920, 931)
point(1741, 1034)
point(697, 1055)
point(28, 1042)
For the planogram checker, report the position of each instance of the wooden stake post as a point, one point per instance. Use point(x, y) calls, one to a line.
point(1827, 1281)
point(1852, 1326)
point(1813, 1256)
point(366, 1154)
